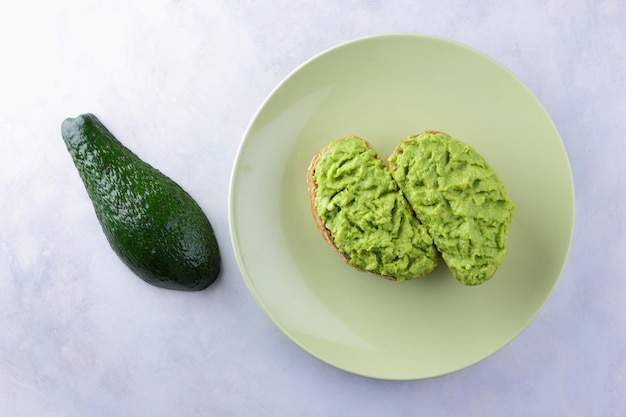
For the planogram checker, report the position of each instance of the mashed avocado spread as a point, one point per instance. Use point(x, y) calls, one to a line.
point(367, 214)
point(458, 196)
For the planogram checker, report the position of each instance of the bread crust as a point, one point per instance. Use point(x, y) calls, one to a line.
point(312, 186)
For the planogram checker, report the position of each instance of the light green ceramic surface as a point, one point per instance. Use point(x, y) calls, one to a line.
point(384, 89)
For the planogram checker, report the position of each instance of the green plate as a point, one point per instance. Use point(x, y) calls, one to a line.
point(385, 88)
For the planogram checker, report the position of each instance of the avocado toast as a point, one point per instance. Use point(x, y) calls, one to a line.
point(459, 198)
point(363, 215)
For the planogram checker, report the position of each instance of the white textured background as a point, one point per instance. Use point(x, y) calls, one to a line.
point(179, 81)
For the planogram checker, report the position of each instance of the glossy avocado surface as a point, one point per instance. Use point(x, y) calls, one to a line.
point(154, 226)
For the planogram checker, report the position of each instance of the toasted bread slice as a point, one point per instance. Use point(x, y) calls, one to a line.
point(459, 198)
point(362, 214)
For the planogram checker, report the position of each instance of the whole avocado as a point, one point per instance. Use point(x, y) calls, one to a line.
point(154, 226)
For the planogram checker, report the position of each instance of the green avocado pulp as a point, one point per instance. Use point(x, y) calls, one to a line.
point(459, 197)
point(367, 215)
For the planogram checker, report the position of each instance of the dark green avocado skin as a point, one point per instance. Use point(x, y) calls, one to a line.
point(153, 225)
